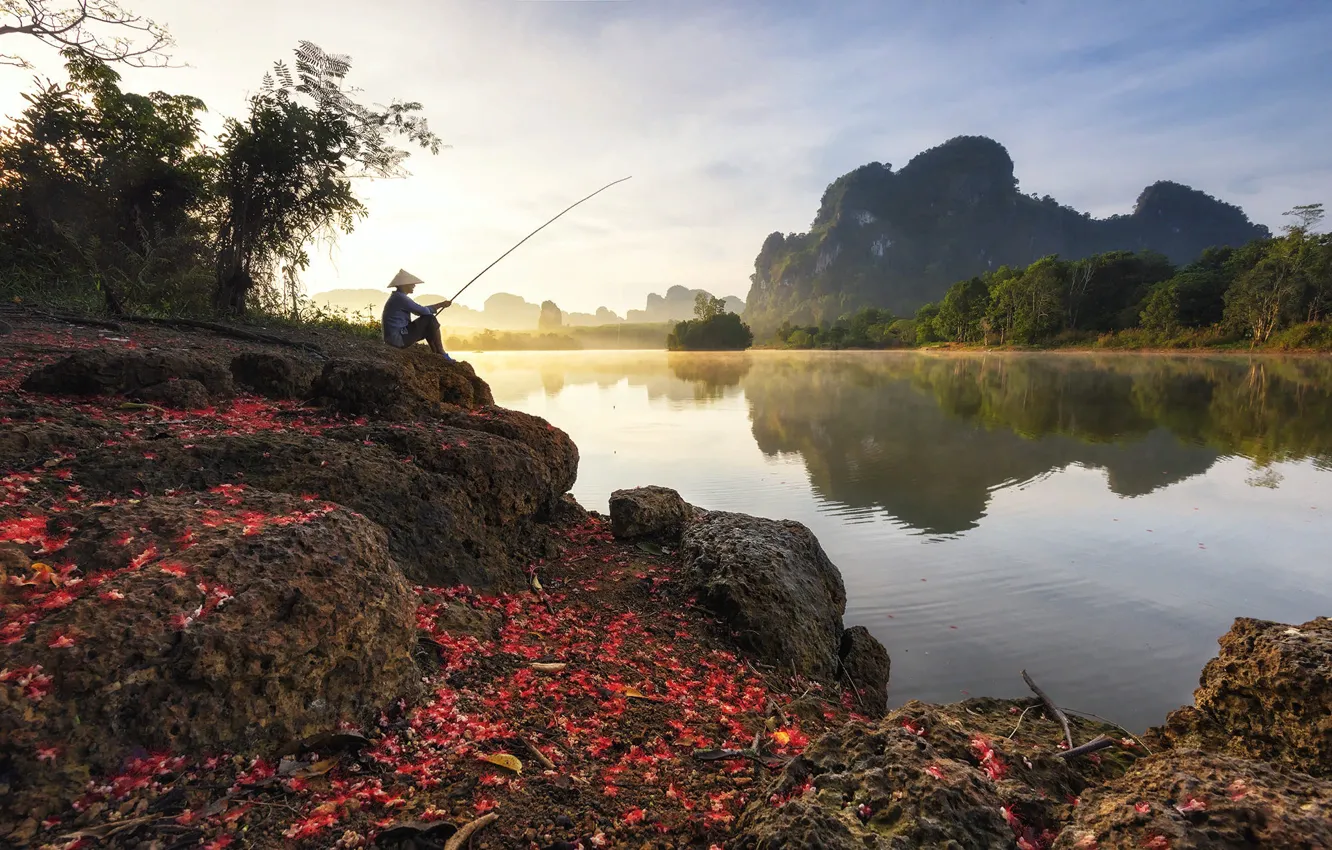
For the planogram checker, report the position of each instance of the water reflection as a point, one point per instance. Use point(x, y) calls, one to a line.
point(1098, 520)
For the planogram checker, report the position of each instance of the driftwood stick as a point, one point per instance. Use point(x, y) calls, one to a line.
point(1098, 743)
point(1051, 709)
point(1141, 743)
point(847, 673)
point(465, 832)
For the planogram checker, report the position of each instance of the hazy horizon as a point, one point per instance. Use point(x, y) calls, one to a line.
point(732, 121)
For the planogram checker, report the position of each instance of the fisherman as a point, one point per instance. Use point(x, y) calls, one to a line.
point(400, 329)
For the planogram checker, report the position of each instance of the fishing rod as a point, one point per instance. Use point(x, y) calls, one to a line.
point(534, 233)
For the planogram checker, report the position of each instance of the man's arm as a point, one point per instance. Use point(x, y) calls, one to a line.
point(440, 305)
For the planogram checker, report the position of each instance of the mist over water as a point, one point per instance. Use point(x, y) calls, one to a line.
point(1096, 519)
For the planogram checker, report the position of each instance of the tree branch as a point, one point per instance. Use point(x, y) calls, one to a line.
point(1051, 709)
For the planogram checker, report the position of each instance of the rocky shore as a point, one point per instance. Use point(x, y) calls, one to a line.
point(307, 591)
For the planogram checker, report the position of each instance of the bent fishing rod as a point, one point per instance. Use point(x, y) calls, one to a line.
point(534, 233)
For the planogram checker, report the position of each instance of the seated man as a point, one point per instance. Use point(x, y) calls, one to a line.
point(400, 329)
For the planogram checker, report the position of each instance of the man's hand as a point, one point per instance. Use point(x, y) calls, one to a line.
point(441, 306)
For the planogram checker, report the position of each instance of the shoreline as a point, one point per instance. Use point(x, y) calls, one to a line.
point(193, 485)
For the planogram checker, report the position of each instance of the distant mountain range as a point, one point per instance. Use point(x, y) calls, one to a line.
point(505, 312)
point(899, 239)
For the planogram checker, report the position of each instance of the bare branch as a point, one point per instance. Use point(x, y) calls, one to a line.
point(96, 29)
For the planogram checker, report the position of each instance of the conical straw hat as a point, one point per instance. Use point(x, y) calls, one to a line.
point(404, 278)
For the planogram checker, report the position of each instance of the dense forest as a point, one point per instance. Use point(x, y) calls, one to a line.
point(898, 239)
point(1269, 292)
point(114, 201)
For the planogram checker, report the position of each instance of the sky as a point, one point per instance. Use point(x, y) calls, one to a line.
point(732, 117)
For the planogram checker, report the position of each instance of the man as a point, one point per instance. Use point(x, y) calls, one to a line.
point(400, 329)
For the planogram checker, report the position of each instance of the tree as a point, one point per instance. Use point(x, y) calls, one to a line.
point(286, 170)
point(551, 318)
point(1270, 291)
point(707, 308)
point(108, 187)
point(94, 29)
point(962, 309)
point(1160, 313)
point(720, 332)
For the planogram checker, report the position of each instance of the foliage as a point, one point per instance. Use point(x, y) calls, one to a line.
point(98, 30)
point(719, 331)
point(286, 166)
point(107, 192)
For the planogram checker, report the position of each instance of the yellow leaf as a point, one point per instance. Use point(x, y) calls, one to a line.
point(319, 768)
point(505, 761)
point(781, 738)
point(536, 584)
point(635, 693)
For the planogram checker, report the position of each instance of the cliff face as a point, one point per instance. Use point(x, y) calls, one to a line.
point(899, 239)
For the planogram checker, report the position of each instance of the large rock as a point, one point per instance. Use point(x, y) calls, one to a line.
point(460, 507)
point(400, 385)
point(109, 371)
point(773, 584)
point(1267, 695)
point(656, 512)
point(176, 394)
point(924, 776)
point(274, 375)
point(866, 661)
point(1189, 800)
point(233, 622)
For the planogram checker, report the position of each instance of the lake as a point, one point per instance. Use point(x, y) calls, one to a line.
point(1096, 519)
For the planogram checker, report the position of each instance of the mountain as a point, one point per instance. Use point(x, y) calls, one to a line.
point(900, 239)
point(506, 312)
point(677, 305)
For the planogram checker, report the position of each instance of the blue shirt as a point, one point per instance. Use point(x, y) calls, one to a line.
point(398, 313)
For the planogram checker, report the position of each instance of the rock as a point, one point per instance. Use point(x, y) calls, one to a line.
point(1267, 696)
point(772, 583)
point(867, 663)
point(249, 623)
point(655, 512)
point(917, 778)
point(106, 371)
point(273, 375)
point(176, 394)
point(24, 445)
point(1184, 799)
point(460, 507)
point(400, 385)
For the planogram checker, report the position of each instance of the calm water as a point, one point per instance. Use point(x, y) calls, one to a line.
point(1098, 520)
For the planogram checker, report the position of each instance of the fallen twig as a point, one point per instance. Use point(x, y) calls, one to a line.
point(1051, 709)
point(1098, 743)
point(1111, 723)
point(538, 755)
point(847, 673)
point(465, 832)
point(1019, 723)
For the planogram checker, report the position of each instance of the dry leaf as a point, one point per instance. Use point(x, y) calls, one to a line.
point(548, 668)
point(635, 693)
point(505, 761)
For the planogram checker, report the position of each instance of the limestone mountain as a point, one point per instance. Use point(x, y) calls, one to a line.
point(677, 305)
point(899, 239)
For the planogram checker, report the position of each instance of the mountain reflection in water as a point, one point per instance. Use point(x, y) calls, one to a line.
point(1102, 517)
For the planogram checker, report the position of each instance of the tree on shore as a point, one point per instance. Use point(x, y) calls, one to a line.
point(711, 329)
point(286, 172)
point(101, 30)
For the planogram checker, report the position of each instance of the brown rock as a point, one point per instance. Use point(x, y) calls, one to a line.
point(256, 624)
point(106, 371)
point(176, 394)
point(648, 512)
point(460, 507)
point(1267, 695)
point(1189, 800)
point(927, 776)
point(274, 375)
point(400, 385)
point(866, 661)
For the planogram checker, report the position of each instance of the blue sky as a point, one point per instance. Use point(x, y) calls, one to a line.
point(733, 117)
